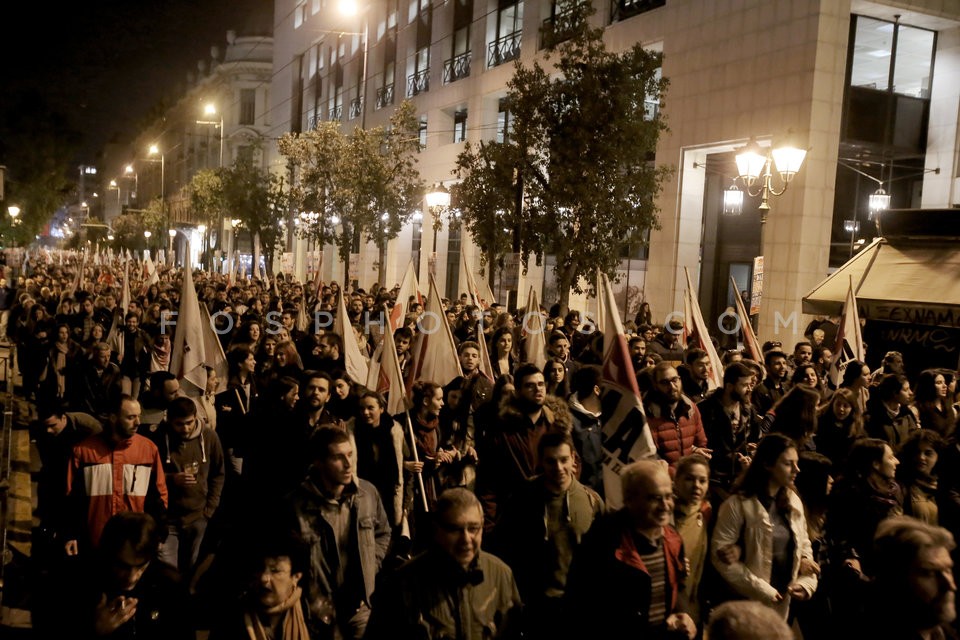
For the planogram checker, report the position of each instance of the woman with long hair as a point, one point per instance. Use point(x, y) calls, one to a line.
point(432, 454)
point(933, 403)
point(248, 334)
point(264, 356)
point(379, 446)
point(555, 375)
point(795, 416)
point(286, 361)
point(806, 375)
point(502, 352)
point(764, 519)
point(866, 494)
point(839, 425)
point(857, 377)
point(65, 354)
point(343, 396)
point(917, 474)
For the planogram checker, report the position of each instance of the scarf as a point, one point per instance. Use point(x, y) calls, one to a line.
point(160, 358)
point(428, 435)
point(294, 625)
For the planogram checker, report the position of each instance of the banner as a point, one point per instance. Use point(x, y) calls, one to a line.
point(624, 431)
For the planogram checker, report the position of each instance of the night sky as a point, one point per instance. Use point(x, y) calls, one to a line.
point(106, 63)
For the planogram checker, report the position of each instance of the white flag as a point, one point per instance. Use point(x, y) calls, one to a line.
point(626, 437)
point(434, 351)
point(354, 361)
point(532, 328)
point(187, 359)
point(696, 329)
point(849, 345)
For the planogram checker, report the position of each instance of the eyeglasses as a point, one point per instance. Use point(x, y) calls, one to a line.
point(666, 381)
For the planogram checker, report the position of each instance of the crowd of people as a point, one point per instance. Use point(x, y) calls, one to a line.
point(286, 502)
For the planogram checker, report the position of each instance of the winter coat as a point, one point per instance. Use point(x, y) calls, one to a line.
point(675, 431)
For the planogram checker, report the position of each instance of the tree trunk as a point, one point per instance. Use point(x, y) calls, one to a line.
point(564, 282)
point(382, 263)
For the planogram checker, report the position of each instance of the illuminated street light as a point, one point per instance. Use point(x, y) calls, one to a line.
point(210, 111)
point(153, 151)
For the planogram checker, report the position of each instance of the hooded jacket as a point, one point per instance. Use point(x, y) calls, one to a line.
point(191, 502)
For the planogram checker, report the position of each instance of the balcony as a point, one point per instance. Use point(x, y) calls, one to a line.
point(356, 108)
point(559, 28)
point(456, 68)
point(623, 9)
point(385, 96)
point(418, 83)
point(504, 49)
point(336, 113)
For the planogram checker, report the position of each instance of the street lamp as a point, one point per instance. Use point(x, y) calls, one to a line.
point(153, 151)
point(349, 9)
point(210, 110)
point(438, 203)
point(129, 172)
point(173, 234)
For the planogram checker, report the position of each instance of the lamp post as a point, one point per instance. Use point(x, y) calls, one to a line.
point(153, 151)
point(210, 111)
point(754, 169)
point(350, 8)
point(129, 172)
point(438, 203)
point(14, 212)
point(173, 235)
point(146, 238)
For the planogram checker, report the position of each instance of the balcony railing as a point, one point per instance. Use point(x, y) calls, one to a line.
point(560, 27)
point(385, 96)
point(356, 107)
point(504, 49)
point(418, 83)
point(336, 113)
point(456, 68)
point(623, 9)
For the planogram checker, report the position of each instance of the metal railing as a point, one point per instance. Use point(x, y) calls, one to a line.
point(456, 68)
point(356, 107)
point(418, 83)
point(336, 113)
point(559, 27)
point(504, 49)
point(385, 96)
point(623, 9)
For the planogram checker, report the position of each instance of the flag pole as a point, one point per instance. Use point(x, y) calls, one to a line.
point(416, 458)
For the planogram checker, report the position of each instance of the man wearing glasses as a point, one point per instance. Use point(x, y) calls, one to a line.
point(673, 418)
point(453, 590)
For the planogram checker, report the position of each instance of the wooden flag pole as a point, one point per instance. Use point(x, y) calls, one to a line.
point(416, 458)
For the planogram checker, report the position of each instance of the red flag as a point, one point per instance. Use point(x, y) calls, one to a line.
point(749, 337)
point(696, 329)
point(626, 437)
point(532, 329)
point(849, 345)
point(434, 351)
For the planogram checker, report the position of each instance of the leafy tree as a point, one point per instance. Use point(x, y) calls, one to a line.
point(127, 231)
point(486, 198)
point(206, 198)
point(362, 183)
point(580, 153)
point(256, 197)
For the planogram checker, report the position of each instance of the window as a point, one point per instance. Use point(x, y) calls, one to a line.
point(506, 44)
point(458, 66)
point(651, 102)
point(248, 106)
point(504, 121)
point(623, 9)
point(419, 81)
point(299, 14)
point(460, 126)
point(422, 133)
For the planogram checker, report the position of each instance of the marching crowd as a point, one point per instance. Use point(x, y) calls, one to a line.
point(286, 502)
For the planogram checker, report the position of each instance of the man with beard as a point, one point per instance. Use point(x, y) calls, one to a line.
point(913, 589)
point(541, 527)
point(627, 576)
point(767, 393)
point(110, 472)
point(673, 418)
point(512, 456)
point(453, 590)
point(638, 352)
point(732, 427)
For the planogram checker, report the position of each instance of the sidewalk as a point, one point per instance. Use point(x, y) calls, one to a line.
point(16, 501)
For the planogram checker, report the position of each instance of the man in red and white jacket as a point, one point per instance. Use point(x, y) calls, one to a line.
point(112, 472)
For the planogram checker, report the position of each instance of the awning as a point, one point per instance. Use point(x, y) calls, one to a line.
point(914, 281)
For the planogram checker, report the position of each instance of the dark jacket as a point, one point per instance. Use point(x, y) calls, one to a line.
point(894, 430)
point(431, 597)
point(522, 537)
point(202, 499)
point(511, 455)
point(588, 439)
point(608, 587)
point(766, 394)
point(727, 440)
